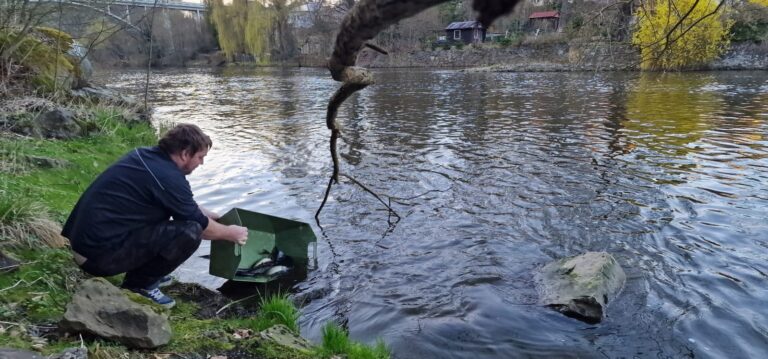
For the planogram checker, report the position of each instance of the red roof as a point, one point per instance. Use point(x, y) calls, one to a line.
point(544, 15)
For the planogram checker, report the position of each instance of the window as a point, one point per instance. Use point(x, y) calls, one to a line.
point(456, 34)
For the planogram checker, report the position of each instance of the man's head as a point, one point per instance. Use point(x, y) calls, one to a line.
point(187, 146)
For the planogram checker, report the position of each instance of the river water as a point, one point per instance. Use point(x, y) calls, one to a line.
point(495, 175)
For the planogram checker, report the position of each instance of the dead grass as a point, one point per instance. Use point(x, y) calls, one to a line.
point(25, 222)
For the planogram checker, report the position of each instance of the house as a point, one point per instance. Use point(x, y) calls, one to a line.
point(467, 31)
point(544, 21)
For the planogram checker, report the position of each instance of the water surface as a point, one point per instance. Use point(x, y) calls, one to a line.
point(495, 175)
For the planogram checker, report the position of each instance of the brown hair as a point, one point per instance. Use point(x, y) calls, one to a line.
point(184, 137)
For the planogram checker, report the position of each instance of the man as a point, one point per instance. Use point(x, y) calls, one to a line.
point(122, 223)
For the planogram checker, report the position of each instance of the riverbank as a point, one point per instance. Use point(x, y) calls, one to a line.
point(546, 55)
point(43, 172)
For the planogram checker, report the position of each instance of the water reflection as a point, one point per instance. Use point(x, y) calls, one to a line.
point(495, 175)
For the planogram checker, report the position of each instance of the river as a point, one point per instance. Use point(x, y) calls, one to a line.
point(495, 175)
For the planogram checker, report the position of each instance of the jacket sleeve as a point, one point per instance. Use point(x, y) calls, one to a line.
point(178, 200)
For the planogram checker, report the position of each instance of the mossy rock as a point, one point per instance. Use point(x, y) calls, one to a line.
point(49, 68)
point(57, 38)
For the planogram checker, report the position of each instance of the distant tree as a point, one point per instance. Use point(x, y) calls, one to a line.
point(676, 34)
point(247, 27)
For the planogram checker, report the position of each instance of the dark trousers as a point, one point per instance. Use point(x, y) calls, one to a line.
point(148, 254)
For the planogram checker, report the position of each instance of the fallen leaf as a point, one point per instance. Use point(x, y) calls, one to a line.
point(242, 333)
point(218, 357)
point(161, 356)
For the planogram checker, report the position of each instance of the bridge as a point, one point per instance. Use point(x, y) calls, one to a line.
point(104, 7)
point(165, 4)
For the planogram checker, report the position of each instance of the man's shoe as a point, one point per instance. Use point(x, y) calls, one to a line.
point(165, 281)
point(156, 296)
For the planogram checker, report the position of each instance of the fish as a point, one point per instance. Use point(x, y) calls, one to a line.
point(258, 268)
point(277, 271)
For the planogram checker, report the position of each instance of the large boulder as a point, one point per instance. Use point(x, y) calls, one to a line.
point(84, 69)
point(581, 286)
point(59, 123)
point(102, 309)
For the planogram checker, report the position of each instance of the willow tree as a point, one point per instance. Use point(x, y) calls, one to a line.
point(242, 27)
point(678, 34)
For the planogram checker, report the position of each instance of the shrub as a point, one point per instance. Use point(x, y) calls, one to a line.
point(750, 23)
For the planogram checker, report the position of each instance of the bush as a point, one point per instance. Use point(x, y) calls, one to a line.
point(750, 23)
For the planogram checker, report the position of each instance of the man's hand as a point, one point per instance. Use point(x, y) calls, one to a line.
point(233, 233)
point(238, 234)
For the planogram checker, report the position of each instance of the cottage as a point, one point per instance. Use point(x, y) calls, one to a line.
point(543, 21)
point(466, 31)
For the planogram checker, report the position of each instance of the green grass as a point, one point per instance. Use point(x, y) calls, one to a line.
point(336, 341)
point(58, 189)
point(278, 309)
point(40, 289)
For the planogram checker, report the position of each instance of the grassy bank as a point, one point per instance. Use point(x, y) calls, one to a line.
point(40, 181)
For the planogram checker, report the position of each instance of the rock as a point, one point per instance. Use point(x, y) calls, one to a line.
point(72, 353)
point(104, 95)
point(7, 264)
point(19, 354)
point(102, 309)
point(581, 286)
point(45, 162)
point(59, 123)
point(282, 336)
point(85, 69)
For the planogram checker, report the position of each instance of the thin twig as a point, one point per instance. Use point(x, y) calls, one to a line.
point(376, 48)
point(392, 211)
point(13, 286)
point(237, 301)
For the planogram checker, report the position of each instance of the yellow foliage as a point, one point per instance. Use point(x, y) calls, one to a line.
point(242, 27)
point(759, 2)
point(670, 40)
point(59, 38)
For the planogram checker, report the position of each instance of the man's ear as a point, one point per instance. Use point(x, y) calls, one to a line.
point(184, 155)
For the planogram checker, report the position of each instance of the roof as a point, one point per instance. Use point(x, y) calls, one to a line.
point(544, 15)
point(464, 25)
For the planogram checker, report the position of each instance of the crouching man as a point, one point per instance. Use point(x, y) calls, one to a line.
point(139, 216)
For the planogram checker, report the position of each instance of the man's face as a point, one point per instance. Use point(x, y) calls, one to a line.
point(190, 161)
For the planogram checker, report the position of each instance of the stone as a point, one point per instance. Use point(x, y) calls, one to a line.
point(104, 95)
point(59, 123)
point(85, 68)
point(102, 309)
point(72, 353)
point(19, 354)
point(8, 264)
point(581, 286)
point(45, 162)
point(284, 337)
